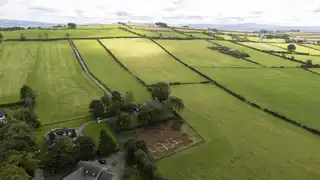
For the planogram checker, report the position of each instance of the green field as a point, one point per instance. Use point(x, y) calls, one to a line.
point(284, 91)
point(199, 35)
point(107, 70)
point(263, 46)
point(149, 62)
point(226, 37)
point(301, 49)
point(17, 61)
point(196, 53)
point(315, 59)
point(103, 26)
point(74, 33)
point(51, 69)
point(260, 57)
point(313, 46)
point(158, 33)
point(240, 142)
point(93, 130)
point(315, 70)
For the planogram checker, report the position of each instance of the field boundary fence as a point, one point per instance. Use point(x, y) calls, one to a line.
point(313, 72)
point(85, 68)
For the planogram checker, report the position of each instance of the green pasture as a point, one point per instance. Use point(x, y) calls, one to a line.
point(107, 70)
point(260, 57)
point(149, 62)
point(301, 49)
point(315, 70)
point(64, 91)
point(226, 37)
point(199, 35)
point(74, 33)
point(16, 63)
point(158, 33)
point(102, 26)
point(313, 46)
point(263, 46)
point(196, 53)
point(314, 59)
point(291, 92)
point(240, 142)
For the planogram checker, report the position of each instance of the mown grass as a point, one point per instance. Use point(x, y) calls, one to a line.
point(293, 93)
point(263, 46)
point(196, 53)
point(74, 33)
point(301, 49)
point(149, 62)
point(240, 142)
point(106, 69)
point(51, 69)
point(93, 130)
point(260, 57)
point(16, 62)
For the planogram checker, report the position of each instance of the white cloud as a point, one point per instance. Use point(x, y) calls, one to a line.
point(282, 12)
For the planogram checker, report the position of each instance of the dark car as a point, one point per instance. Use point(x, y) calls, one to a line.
point(102, 161)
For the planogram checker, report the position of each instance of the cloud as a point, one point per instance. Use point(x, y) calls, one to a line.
point(171, 11)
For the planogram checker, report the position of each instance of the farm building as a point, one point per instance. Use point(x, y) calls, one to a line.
point(53, 134)
point(91, 170)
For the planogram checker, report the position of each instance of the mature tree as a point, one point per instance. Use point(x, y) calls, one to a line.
point(62, 157)
point(131, 145)
point(309, 62)
point(22, 37)
point(72, 25)
point(123, 121)
point(28, 96)
point(116, 108)
point(28, 116)
point(160, 91)
point(13, 172)
point(175, 103)
point(25, 160)
point(46, 35)
point(291, 47)
point(106, 102)
point(116, 96)
point(86, 148)
point(161, 24)
point(1, 36)
point(128, 102)
point(106, 144)
point(67, 35)
point(96, 108)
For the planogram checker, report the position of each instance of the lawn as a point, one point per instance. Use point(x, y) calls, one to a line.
point(301, 49)
point(196, 53)
point(260, 57)
point(263, 46)
point(17, 60)
point(74, 33)
point(64, 90)
point(93, 130)
point(107, 70)
point(149, 62)
point(293, 93)
point(240, 142)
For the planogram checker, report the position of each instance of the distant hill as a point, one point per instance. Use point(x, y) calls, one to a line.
point(256, 27)
point(10, 23)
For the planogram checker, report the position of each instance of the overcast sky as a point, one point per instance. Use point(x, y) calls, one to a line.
point(280, 12)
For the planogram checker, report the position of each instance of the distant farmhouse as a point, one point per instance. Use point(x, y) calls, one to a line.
point(53, 134)
point(91, 171)
point(3, 118)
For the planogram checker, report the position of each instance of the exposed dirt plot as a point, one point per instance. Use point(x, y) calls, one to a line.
point(166, 138)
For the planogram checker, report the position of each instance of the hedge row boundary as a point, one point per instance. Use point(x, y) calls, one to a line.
point(313, 72)
point(13, 104)
point(85, 69)
point(120, 63)
point(268, 52)
point(188, 83)
point(183, 63)
point(132, 32)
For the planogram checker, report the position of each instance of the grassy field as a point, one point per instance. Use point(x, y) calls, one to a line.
point(263, 46)
point(313, 46)
point(74, 33)
point(105, 68)
point(260, 57)
point(315, 70)
point(158, 33)
point(226, 37)
point(93, 130)
point(102, 26)
point(149, 62)
point(64, 90)
point(196, 53)
point(16, 62)
point(290, 92)
point(199, 35)
point(315, 59)
point(240, 142)
point(301, 49)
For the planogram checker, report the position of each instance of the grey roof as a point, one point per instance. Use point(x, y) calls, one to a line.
point(154, 103)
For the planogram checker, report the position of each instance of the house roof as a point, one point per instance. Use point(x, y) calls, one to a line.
point(54, 133)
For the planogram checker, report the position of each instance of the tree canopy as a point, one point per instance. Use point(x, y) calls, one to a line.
point(292, 47)
point(106, 144)
point(72, 25)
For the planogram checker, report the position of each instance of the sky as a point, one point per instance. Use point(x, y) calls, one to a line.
point(278, 12)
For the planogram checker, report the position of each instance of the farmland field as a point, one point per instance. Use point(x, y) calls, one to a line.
point(315, 59)
point(263, 46)
point(64, 91)
point(103, 26)
point(149, 62)
point(196, 53)
point(301, 49)
point(313, 46)
point(158, 33)
point(107, 70)
point(260, 57)
point(226, 37)
point(199, 35)
point(16, 61)
point(240, 142)
point(315, 70)
point(286, 91)
point(39, 34)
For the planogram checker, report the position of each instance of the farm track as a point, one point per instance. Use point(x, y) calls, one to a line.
point(86, 70)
